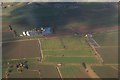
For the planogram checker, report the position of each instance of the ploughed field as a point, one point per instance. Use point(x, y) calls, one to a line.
point(22, 49)
point(105, 71)
point(109, 46)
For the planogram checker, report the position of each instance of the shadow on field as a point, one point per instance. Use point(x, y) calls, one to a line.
point(66, 15)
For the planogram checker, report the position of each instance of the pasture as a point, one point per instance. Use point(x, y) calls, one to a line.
point(67, 49)
point(69, 42)
point(69, 71)
point(78, 60)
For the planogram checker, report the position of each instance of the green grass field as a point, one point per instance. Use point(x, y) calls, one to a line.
point(67, 49)
point(73, 53)
point(65, 42)
point(88, 60)
point(51, 44)
point(73, 71)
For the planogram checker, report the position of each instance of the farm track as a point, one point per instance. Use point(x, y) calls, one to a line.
point(103, 64)
point(115, 68)
point(26, 40)
point(41, 52)
point(59, 72)
point(98, 56)
point(91, 73)
point(107, 46)
point(72, 56)
point(21, 59)
point(65, 49)
point(18, 40)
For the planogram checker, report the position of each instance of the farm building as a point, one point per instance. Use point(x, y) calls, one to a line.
point(36, 32)
point(47, 30)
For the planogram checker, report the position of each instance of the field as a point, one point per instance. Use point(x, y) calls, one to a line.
point(109, 46)
point(105, 71)
point(46, 71)
point(67, 49)
point(51, 56)
point(108, 50)
point(24, 49)
point(73, 72)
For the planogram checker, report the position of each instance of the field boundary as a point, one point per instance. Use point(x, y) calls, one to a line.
point(91, 73)
point(92, 41)
point(20, 59)
point(22, 40)
point(115, 68)
point(41, 52)
point(93, 48)
point(59, 72)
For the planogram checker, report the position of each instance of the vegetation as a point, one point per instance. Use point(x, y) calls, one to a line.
point(72, 71)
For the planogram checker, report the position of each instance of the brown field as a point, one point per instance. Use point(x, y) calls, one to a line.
point(47, 71)
point(105, 71)
point(24, 49)
point(108, 42)
point(109, 54)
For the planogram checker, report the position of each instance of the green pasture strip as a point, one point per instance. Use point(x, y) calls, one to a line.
point(69, 53)
point(65, 42)
point(72, 72)
point(70, 59)
point(72, 42)
point(105, 71)
point(51, 44)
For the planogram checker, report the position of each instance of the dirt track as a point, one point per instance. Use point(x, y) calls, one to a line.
point(91, 73)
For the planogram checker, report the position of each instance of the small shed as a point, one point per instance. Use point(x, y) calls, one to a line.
point(47, 30)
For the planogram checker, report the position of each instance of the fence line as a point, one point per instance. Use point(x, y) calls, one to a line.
point(40, 50)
